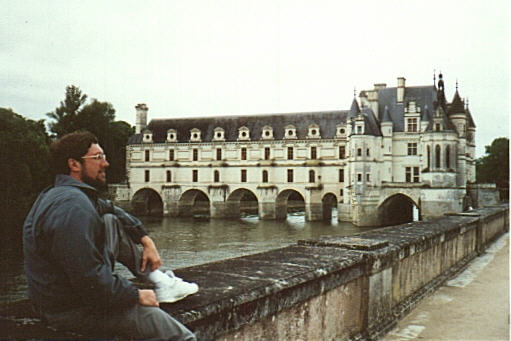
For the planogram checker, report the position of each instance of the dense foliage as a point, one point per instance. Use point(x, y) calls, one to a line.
point(98, 118)
point(24, 155)
point(494, 166)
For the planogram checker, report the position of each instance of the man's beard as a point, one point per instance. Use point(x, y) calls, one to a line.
point(97, 184)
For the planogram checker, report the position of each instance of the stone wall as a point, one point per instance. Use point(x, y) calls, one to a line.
point(333, 288)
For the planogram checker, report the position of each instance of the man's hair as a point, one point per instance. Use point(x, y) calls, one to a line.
point(70, 146)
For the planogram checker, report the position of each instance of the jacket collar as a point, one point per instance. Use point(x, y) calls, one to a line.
point(66, 180)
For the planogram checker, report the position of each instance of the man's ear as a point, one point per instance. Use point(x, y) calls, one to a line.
point(74, 165)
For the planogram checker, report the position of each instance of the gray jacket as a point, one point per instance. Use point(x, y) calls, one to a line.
point(63, 238)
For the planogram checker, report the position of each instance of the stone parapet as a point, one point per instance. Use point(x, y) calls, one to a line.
point(338, 288)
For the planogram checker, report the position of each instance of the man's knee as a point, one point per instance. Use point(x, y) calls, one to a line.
point(156, 323)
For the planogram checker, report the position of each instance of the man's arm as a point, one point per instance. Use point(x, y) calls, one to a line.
point(77, 230)
point(135, 229)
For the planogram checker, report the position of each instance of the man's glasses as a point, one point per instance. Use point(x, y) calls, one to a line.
point(98, 157)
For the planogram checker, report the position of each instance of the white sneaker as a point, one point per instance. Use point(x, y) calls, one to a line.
point(174, 289)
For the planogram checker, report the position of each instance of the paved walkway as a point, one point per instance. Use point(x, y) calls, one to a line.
point(472, 306)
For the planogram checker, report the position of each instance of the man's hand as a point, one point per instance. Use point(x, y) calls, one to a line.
point(150, 254)
point(148, 298)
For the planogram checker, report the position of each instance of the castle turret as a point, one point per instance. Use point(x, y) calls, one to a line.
point(141, 120)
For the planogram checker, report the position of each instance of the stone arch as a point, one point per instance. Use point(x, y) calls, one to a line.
point(328, 202)
point(194, 203)
point(147, 202)
point(243, 202)
point(397, 209)
point(288, 200)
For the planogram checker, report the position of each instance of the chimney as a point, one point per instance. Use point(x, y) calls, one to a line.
point(400, 89)
point(141, 120)
point(378, 86)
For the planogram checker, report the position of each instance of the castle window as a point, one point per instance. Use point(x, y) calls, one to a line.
point(368, 177)
point(243, 175)
point(341, 175)
point(289, 175)
point(412, 148)
point(312, 176)
point(267, 133)
point(290, 132)
point(447, 157)
point(313, 153)
point(243, 134)
point(147, 176)
point(342, 152)
point(266, 153)
point(219, 134)
point(219, 154)
point(437, 156)
point(412, 174)
point(195, 135)
point(195, 175)
point(147, 136)
point(411, 125)
point(290, 153)
point(171, 135)
point(265, 176)
point(359, 177)
point(169, 176)
point(368, 152)
point(313, 131)
point(359, 129)
point(341, 131)
point(243, 153)
point(429, 157)
point(147, 155)
point(438, 127)
point(216, 176)
point(171, 154)
point(359, 152)
point(195, 155)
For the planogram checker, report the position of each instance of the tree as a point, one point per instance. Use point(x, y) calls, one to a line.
point(65, 114)
point(24, 166)
point(494, 166)
point(98, 118)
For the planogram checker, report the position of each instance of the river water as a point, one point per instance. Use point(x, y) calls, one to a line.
point(186, 242)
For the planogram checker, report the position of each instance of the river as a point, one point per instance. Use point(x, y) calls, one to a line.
point(186, 242)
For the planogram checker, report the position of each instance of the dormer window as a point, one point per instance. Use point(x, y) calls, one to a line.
point(341, 130)
point(359, 127)
point(147, 136)
point(267, 133)
point(195, 135)
point(243, 134)
point(314, 132)
point(290, 132)
point(171, 135)
point(411, 125)
point(219, 134)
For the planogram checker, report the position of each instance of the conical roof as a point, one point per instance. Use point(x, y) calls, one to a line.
point(355, 109)
point(457, 105)
point(426, 115)
point(386, 115)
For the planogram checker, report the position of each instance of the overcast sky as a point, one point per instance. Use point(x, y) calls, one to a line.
point(205, 58)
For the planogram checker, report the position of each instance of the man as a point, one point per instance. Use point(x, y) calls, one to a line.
point(71, 240)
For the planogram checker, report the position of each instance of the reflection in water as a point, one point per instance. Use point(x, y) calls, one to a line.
point(185, 242)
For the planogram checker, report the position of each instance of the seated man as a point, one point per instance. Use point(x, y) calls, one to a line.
point(71, 241)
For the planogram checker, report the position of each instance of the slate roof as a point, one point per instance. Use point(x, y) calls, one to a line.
point(423, 95)
point(389, 110)
point(457, 106)
point(326, 120)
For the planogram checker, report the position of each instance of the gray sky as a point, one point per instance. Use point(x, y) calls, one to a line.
point(204, 58)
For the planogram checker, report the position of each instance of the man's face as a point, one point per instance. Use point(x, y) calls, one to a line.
point(93, 170)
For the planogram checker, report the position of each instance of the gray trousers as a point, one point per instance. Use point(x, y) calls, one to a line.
point(136, 322)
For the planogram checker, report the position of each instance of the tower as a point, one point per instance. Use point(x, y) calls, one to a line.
point(141, 119)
